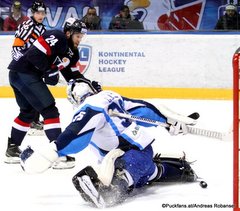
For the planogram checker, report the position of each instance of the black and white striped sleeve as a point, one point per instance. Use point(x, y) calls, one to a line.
point(24, 30)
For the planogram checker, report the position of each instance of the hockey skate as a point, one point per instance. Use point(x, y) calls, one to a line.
point(65, 162)
point(173, 169)
point(36, 129)
point(93, 191)
point(12, 153)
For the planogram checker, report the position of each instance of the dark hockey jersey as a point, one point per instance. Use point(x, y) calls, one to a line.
point(47, 50)
point(72, 70)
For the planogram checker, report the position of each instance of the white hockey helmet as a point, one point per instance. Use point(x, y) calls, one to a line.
point(78, 91)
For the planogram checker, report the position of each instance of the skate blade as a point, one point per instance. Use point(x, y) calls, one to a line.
point(63, 165)
point(12, 160)
point(35, 132)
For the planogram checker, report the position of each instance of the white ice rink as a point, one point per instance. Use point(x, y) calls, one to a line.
point(53, 190)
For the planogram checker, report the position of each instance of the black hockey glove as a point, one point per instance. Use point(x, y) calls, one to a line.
point(51, 77)
point(97, 86)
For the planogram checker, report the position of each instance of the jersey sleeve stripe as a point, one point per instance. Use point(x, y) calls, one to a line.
point(18, 42)
point(41, 44)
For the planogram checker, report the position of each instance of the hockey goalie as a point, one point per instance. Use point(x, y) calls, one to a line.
point(123, 147)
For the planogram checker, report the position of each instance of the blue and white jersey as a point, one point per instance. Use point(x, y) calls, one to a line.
point(92, 125)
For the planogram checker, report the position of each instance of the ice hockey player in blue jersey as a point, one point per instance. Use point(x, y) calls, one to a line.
point(123, 147)
point(25, 36)
point(53, 52)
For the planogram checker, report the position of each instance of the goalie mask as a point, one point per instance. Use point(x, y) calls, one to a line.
point(78, 91)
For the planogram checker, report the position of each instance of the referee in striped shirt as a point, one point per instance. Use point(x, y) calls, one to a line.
point(25, 35)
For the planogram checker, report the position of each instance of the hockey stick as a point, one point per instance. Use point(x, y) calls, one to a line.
point(191, 130)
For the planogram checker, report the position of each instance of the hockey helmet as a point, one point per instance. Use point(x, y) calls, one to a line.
point(74, 25)
point(38, 6)
point(231, 7)
point(78, 91)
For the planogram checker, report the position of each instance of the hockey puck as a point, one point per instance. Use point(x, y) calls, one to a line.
point(194, 115)
point(203, 184)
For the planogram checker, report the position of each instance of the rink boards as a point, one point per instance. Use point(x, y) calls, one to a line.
point(146, 92)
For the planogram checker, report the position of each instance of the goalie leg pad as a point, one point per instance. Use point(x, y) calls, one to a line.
point(174, 170)
point(87, 183)
point(95, 192)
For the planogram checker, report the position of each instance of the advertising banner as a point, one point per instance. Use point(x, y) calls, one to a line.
point(154, 14)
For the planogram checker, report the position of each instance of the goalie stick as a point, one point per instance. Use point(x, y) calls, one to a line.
point(191, 130)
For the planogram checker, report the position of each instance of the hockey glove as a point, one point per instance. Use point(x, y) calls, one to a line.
point(51, 77)
point(97, 86)
point(178, 123)
point(38, 159)
point(176, 127)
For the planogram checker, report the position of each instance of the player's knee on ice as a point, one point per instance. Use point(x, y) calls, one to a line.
point(139, 164)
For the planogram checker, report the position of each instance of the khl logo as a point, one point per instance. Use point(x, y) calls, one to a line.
point(85, 54)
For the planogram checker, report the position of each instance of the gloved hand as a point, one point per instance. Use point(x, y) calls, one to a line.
point(38, 159)
point(97, 86)
point(179, 124)
point(177, 127)
point(51, 77)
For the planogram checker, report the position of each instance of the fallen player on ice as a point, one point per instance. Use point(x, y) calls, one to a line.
point(123, 147)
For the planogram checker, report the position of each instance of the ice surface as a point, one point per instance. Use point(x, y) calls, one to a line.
point(53, 190)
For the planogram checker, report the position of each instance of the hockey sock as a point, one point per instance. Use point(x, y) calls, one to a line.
point(52, 128)
point(19, 130)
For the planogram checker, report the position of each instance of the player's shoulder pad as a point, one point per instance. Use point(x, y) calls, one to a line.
point(57, 33)
point(57, 41)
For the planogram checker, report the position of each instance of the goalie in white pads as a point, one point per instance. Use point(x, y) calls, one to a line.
point(123, 147)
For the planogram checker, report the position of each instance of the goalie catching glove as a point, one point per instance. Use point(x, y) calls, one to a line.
point(38, 160)
point(178, 124)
